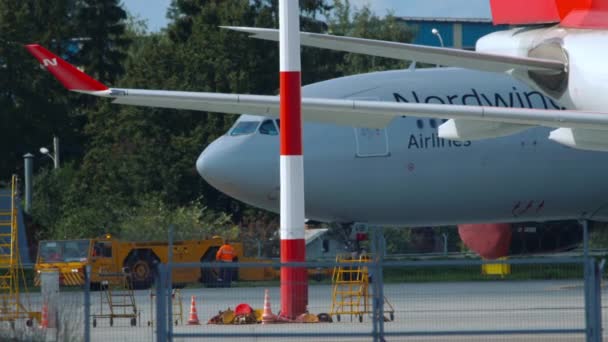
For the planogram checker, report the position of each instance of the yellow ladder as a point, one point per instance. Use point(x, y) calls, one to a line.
point(11, 270)
point(350, 293)
point(117, 294)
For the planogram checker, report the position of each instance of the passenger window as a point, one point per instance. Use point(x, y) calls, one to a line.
point(433, 123)
point(244, 127)
point(268, 128)
point(420, 124)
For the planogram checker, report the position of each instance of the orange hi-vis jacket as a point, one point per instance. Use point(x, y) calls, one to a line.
point(225, 253)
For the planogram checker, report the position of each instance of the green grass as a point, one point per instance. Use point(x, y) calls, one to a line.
point(415, 274)
point(473, 273)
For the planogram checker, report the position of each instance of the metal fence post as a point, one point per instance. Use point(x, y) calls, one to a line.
point(585, 225)
point(380, 281)
point(161, 311)
point(374, 286)
point(589, 274)
point(590, 301)
point(87, 303)
point(378, 298)
point(597, 300)
point(170, 286)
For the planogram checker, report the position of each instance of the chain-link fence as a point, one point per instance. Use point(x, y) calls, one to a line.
point(354, 299)
point(539, 297)
point(58, 317)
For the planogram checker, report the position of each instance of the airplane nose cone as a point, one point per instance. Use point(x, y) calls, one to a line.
point(242, 168)
point(214, 164)
point(204, 163)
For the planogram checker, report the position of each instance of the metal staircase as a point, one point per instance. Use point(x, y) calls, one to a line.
point(118, 296)
point(350, 294)
point(12, 277)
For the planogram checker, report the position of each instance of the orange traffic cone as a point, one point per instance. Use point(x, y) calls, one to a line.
point(193, 319)
point(44, 317)
point(267, 315)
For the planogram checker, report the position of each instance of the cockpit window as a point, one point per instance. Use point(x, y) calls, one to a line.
point(244, 127)
point(268, 128)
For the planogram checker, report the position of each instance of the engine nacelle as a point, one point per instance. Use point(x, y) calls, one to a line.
point(495, 240)
point(581, 85)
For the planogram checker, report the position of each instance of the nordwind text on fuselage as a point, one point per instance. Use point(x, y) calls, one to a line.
point(514, 98)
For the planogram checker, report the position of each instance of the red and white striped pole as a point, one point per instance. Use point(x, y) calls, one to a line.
point(294, 280)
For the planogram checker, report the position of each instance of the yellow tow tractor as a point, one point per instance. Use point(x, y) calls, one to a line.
point(107, 254)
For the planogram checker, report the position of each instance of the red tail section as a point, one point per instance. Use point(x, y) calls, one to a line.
point(67, 74)
point(590, 14)
point(520, 12)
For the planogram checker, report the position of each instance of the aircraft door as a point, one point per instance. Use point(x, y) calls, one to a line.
point(371, 142)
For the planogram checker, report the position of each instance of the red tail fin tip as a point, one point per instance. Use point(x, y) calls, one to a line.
point(67, 74)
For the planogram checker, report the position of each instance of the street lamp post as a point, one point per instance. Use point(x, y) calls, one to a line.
point(436, 32)
point(55, 155)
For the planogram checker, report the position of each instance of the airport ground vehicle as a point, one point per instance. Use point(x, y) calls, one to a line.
point(108, 254)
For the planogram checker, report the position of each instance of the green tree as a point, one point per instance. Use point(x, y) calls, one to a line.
point(102, 25)
point(365, 23)
point(150, 219)
point(34, 107)
point(50, 196)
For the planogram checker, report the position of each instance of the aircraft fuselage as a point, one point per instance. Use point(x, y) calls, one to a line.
point(405, 174)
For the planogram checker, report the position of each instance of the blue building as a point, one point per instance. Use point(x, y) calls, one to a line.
point(461, 33)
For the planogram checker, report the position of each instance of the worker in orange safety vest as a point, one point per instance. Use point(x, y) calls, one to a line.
point(225, 254)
